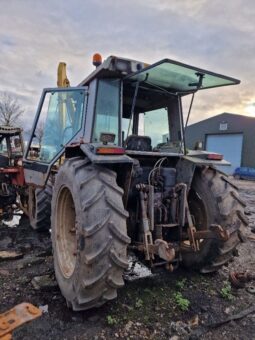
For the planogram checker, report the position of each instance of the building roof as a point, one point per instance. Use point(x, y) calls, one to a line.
point(226, 115)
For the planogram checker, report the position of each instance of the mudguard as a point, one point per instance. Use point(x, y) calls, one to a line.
point(104, 159)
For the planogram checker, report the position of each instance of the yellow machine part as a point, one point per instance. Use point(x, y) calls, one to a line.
point(62, 77)
point(62, 81)
point(64, 102)
point(16, 317)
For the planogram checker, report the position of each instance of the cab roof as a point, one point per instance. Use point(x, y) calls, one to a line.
point(9, 130)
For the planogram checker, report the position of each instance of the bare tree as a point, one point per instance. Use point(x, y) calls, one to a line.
point(10, 109)
point(39, 132)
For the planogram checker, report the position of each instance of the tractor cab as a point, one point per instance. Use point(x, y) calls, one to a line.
point(123, 103)
point(11, 146)
point(136, 100)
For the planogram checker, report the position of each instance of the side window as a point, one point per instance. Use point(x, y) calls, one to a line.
point(60, 120)
point(107, 109)
point(3, 146)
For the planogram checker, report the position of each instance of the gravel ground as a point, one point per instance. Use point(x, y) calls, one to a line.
point(179, 305)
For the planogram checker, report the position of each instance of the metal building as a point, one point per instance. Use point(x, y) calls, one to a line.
point(229, 134)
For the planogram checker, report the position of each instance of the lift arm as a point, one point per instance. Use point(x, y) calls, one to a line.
point(62, 77)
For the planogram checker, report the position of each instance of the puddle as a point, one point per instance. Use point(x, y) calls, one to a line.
point(137, 271)
point(14, 222)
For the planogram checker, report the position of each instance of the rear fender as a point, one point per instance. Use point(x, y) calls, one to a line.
point(121, 164)
point(200, 157)
point(187, 166)
point(104, 159)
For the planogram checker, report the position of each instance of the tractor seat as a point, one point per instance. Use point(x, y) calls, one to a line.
point(138, 143)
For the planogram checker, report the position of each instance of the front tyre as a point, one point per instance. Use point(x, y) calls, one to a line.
point(39, 206)
point(89, 234)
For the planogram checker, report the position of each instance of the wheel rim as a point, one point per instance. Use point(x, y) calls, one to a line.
point(66, 233)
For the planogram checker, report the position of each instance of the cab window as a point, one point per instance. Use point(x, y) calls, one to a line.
point(107, 109)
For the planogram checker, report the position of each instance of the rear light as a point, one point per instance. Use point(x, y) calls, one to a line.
point(110, 151)
point(214, 156)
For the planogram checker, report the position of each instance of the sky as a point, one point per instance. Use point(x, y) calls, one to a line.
point(216, 35)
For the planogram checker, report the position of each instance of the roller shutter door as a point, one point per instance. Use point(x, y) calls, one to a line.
point(230, 145)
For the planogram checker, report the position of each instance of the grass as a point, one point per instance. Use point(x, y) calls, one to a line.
point(181, 301)
point(226, 292)
point(139, 303)
point(111, 320)
point(180, 284)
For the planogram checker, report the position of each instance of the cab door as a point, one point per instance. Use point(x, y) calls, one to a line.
point(59, 121)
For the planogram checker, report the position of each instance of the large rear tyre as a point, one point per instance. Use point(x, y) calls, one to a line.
point(89, 235)
point(213, 199)
point(39, 207)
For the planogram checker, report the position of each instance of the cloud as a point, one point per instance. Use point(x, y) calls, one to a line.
point(35, 35)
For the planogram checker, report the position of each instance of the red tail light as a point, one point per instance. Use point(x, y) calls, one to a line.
point(110, 151)
point(214, 157)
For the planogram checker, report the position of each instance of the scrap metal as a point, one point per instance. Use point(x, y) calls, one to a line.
point(239, 279)
point(16, 317)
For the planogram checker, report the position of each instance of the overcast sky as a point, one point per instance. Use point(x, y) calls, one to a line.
point(216, 35)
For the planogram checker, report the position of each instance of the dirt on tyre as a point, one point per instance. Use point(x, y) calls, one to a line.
point(214, 199)
point(89, 234)
point(40, 207)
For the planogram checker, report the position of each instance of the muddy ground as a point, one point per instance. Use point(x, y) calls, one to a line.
point(179, 305)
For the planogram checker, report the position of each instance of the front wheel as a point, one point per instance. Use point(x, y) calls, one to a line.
point(213, 199)
point(39, 206)
point(89, 234)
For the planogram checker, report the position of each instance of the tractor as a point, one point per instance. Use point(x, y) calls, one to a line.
point(11, 171)
point(113, 176)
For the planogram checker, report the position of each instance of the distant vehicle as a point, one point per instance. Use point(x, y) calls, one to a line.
point(11, 170)
point(244, 173)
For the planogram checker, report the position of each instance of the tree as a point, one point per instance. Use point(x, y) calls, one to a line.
point(10, 109)
point(39, 132)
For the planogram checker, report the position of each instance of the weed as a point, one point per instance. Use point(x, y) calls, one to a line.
point(148, 291)
point(146, 318)
point(111, 320)
point(181, 301)
point(225, 291)
point(139, 303)
point(181, 283)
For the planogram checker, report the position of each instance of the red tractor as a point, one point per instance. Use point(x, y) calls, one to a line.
point(11, 171)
